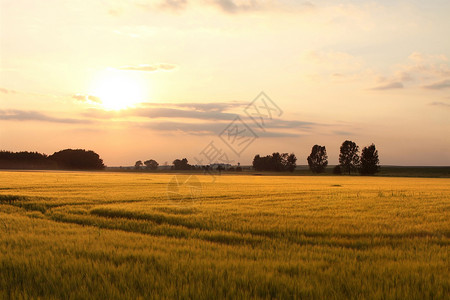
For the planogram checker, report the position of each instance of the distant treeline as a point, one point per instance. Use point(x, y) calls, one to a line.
point(349, 161)
point(68, 159)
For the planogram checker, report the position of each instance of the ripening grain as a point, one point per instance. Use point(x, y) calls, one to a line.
point(114, 235)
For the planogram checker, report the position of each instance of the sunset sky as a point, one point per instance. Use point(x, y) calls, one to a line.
point(134, 80)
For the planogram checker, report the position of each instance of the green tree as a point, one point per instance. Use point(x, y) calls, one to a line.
point(348, 157)
point(318, 159)
point(369, 160)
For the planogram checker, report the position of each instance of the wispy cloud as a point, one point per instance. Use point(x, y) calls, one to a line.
point(206, 119)
point(441, 104)
point(7, 91)
point(444, 84)
point(197, 118)
point(231, 6)
point(208, 107)
point(192, 110)
point(388, 86)
point(174, 4)
point(22, 115)
point(150, 68)
point(225, 6)
point(181, 113)
point(420, 70)
point(208, 128)
point(342, 132)
point(84, 98)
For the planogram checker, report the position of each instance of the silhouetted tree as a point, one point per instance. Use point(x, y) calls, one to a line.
point(318, 159)
point(275, 162)
point(337, 170)
point(25, 160)
point(77, 159)
point(348, 157)
point(220, 169)
point(369, 160)
point(181, 164)
point(138, 165)
point(151, 164)
point(290, 162)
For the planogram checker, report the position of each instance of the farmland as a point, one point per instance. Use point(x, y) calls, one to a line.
point(122, 235)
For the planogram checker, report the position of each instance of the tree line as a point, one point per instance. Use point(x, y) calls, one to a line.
point(68, 159)
point(349, 160)
point(79, 159)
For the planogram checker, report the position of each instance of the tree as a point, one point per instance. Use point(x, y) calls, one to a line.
point(337, 170)
point(138, 165)
point(369, 160)
point(151, 164)
point(275, 162)
point(220, 168)
point(25, 160)
point(348, 157)
point(318, 159)
point(69, 159)
point(181, 164)
point(290, 163)
point(78, 159)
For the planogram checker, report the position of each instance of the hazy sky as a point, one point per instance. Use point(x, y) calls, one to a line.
point(162, 79)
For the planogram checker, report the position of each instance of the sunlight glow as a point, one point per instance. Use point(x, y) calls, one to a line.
point(118, 91)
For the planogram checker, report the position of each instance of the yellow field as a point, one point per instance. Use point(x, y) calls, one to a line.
point(119, 235)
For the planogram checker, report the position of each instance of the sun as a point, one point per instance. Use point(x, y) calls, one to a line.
point(118, 90)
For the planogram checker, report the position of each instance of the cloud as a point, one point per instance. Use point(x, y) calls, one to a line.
point(181, 113)
point(231, 6)
point(388, 86)
point(444, 84)
point(428, 71)
point(225, 6)
point(150, 68)
point(160, 113)
point(206, 128)
point(198, 118)
point(207, 107)
point(342, 132)
point(87, 98)
point(441, 104)
point(115, 12)
point(21, 115)
point(202, 111)
point(248, 6)
point(174, 4)
point(7, 91)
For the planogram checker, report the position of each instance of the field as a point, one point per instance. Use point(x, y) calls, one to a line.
point(122, 235)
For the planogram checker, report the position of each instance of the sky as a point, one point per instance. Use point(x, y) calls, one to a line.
point(166, 79)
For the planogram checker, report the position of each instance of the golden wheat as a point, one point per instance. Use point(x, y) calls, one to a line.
point(124, 235)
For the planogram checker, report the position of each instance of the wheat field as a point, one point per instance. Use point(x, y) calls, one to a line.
point(103, 235)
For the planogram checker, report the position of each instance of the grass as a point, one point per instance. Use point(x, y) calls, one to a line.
point(119, 235)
